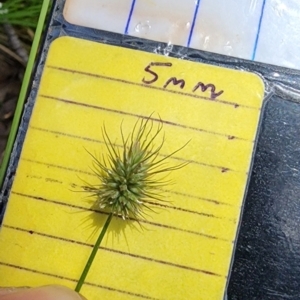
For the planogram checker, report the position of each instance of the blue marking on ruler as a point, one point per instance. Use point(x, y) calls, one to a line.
point(194, 21)
point(129, 16)
point(258, 30)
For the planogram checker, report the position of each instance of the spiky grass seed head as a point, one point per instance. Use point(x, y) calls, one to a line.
point(130, 175)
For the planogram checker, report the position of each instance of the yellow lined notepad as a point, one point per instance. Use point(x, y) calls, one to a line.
point(182, 252)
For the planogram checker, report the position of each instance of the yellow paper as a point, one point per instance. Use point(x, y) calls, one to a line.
point(182, 252)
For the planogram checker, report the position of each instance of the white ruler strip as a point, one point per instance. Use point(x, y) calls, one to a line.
point(227, 27)
point(279, 41)
point(262, 30)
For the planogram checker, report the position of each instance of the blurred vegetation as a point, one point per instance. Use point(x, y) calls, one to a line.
point(18, 20)
point(23, 13)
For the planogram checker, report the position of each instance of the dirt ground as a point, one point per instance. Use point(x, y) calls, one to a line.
point(12, 67)
point(10, 82)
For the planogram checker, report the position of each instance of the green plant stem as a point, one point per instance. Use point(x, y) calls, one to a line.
point(24, 88)
point(93, 254)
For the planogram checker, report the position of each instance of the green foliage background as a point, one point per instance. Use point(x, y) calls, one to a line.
point(23, 13)
point(19, 35)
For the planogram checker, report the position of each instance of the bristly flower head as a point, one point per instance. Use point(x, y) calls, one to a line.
point(129, 177)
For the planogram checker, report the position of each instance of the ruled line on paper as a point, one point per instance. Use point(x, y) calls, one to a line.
point(178, 200)
point(152, 260)
point(172, 207)
point(235, 105)
point(132, 219)
point(229, 137)
point(222, 169)
point(185, 195)
point(197, 5)
point(115, 18)
point(129, 17)
point(258, 30)
point(213, 201)
point(49, 209)
point(18, 267)
point(64, 209)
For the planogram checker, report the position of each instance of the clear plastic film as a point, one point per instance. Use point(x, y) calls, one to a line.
point(259, 30)
point(195, 47)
